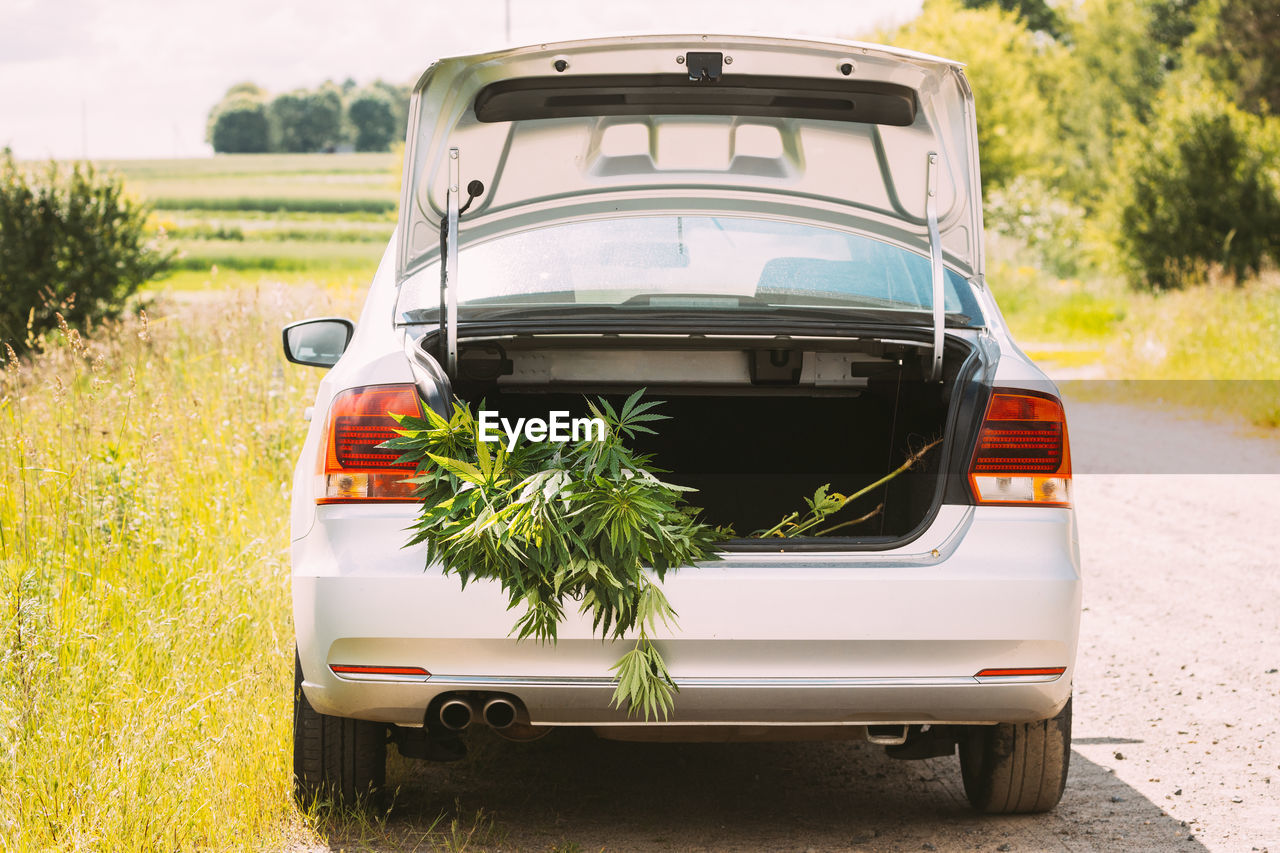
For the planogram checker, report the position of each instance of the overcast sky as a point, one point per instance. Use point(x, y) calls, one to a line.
point(136, 78)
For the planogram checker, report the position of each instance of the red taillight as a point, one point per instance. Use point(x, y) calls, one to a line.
point(352, 467)
point(1021, 672)
point(363, 669)
point(1023, 456)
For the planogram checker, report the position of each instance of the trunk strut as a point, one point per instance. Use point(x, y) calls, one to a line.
point(935, 262)
point(449, 280)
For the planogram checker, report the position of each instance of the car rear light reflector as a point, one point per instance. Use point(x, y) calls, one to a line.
point(1023, 455)
point(361, 669)
point(1034, 670)
point(352, 467)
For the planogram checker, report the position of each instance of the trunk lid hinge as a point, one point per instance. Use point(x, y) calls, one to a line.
point(935, 263)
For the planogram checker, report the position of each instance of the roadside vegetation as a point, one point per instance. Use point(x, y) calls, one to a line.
point(145, 644)
point(1129, 167)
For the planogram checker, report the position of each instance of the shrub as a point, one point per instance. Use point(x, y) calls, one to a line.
point(71, 242)
point(1200, 191)
point(1038, 217)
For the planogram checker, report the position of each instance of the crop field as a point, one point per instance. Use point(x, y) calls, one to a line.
point(271, 212)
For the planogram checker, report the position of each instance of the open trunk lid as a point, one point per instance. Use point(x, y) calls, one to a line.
point(862, 137)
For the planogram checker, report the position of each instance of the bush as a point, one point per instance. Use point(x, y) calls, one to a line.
point(1038, 217)
point(71, 242)
point(1200, 192)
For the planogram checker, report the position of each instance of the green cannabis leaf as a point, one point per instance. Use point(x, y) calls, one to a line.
point(825, 504)
point(550, 521)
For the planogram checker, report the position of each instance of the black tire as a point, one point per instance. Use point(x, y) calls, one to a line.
point(1017, 768)
point(335, 759)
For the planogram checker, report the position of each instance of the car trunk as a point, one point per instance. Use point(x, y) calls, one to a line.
point(756, 429)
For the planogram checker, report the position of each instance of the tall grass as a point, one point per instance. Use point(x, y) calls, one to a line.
point(1208, 338)
point(1043, 308)
point(145, 644)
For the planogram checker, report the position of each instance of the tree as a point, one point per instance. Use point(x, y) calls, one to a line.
point(374, 119)
point(1114, 73)
point(399, 98)
point(1013, 75)
point(1202, 191)
point(1038, 15)
point(248, 88)
point(305, 121)
point(1171, 22)
point(1239, 42)
point(247, 130)
point(71, 243)
point(240, 126)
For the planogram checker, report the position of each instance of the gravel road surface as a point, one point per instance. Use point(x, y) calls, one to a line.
point(1177, 707)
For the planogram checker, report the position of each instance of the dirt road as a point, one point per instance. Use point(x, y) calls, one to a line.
point(1177, 711)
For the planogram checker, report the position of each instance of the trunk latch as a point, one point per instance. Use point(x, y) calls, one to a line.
point(704, 66)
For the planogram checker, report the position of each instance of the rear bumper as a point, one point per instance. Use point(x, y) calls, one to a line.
point(763, 639)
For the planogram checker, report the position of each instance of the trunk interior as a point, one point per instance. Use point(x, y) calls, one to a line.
point(755, 430)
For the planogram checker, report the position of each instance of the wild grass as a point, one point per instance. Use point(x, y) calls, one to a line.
point(1043, 308)
point(1215, 347)
point(145, 644)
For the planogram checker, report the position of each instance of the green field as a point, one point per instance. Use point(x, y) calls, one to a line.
point(271, 212)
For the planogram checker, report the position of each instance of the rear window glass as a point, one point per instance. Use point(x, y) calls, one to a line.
point(697, 262)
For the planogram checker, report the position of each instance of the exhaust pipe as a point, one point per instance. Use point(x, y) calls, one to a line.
point(455, 715)
point(499, 713)
point(887, 735)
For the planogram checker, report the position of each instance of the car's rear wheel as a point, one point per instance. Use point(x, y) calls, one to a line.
point(335, 759)
point(1017, 768)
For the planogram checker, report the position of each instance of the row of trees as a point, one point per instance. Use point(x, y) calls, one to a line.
point(1139, 125)
point(248, 120)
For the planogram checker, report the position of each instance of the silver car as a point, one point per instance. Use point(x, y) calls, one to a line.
point(782, 240)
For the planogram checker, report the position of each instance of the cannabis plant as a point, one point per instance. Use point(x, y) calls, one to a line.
point(826, 503)
point(588, 521)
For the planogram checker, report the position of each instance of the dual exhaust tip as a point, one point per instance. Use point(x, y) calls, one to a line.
point(497, 712)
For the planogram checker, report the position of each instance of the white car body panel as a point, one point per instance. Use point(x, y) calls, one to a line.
point(884, 637)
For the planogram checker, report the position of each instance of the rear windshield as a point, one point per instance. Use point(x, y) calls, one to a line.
point(688, 262)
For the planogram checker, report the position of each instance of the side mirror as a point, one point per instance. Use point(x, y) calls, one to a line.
point(319, 343)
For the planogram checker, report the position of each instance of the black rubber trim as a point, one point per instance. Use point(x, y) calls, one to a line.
point(764, 96)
